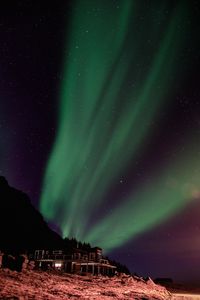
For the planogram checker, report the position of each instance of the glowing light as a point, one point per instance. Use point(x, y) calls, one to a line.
point(158, 200)
point(58, 265)
point(113, 86)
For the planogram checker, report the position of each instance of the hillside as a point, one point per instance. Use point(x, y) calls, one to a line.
point(22, 227)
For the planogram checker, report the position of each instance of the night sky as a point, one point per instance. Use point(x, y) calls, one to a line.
point(100, 124)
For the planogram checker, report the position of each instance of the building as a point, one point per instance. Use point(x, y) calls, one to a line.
point(79, 262)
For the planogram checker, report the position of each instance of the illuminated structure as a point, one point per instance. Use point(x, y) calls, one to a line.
point(79, 262)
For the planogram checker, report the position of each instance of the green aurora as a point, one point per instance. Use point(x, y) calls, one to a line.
point(158, 200)
point(116, 81)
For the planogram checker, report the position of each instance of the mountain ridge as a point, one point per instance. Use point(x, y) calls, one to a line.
point(22, 227)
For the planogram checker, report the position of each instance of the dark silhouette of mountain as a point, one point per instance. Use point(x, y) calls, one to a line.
point(22, 227)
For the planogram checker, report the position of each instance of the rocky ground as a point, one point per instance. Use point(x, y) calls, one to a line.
point(51, 286)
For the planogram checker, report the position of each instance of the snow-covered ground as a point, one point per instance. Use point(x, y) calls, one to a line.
point(41, 285)
point(185, 297)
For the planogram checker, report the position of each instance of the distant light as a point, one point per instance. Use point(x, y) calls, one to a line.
point(58, 265)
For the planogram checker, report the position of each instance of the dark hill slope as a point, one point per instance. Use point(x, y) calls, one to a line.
point(22, 227)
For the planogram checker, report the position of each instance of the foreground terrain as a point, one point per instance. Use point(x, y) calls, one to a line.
point(184, 291)
point(49, 286)
point(186, 296)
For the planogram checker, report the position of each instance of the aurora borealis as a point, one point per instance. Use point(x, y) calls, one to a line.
point(100, 124)
point(100, 129)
